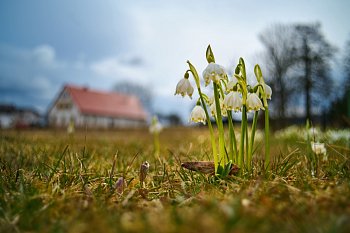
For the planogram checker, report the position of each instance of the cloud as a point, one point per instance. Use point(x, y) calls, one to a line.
point(124, 67)
point(33, 76)
point(25, 75)
point(45, 55)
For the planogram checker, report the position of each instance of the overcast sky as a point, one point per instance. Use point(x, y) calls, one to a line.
point(44, 44)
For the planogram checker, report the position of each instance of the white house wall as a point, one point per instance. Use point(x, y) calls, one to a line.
point(6, 120)
point(60, 117)
point(94, 121)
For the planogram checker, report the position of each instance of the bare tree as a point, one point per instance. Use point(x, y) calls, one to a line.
point(347, 66)
point(314, 55)
point(340, 108)
point(142, 92)
point(279, 56)
point(345, 99)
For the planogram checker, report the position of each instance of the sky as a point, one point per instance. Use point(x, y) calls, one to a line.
point(46, 44)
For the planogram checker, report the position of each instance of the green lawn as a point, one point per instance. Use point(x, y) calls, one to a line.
point(53, 182)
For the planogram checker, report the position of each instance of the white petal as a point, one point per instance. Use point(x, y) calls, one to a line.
point(253, 102)
point(198, 115)
point(268, 91)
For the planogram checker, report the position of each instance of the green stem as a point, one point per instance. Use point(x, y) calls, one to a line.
point(243, 126)
point(252, 137)
point(267, 139)
point(246, 144)
point(312, 160)
point(220, 125)
point(233, 142)
point(212, 137)
point(156, 144)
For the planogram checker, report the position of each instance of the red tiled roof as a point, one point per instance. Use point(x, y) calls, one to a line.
point(109, 104)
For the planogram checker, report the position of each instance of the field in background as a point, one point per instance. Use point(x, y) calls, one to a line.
point(55, 182)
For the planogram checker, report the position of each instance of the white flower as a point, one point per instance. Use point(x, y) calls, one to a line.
point(211, 100)
point(213, 72)
point(253, 102)
point(184, 87)
point(245, 202)
point(319, 149)
point(198, 115)
point(233, 101)
point(213, 109)
point(230, 85)
point(70, 128)
point(155, 127)
point(268, 91)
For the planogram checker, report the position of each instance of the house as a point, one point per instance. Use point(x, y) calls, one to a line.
point(12, 116)
point(95, 109)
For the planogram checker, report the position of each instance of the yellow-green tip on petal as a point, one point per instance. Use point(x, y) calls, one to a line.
point(198, 115)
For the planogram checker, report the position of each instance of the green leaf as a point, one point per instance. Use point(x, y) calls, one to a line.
point(209, 55)
point(227, 169)
point(238, 77)
point(258, 72)
point(242, 68)
point(220, 170)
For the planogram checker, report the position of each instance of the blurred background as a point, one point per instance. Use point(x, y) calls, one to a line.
point(140, 48)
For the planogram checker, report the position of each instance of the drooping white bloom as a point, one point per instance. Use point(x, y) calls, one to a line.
point(213, 72)
point(233, 101)
point(156, 126)
point(253, 102)
point(230, 85)
point(211, 100)
point(213, 109)
point(198, 115)
point(268, 91)
point(70, 128)
point(184, 87)
point(319, 149)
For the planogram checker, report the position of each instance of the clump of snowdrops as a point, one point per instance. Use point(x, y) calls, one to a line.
point(230, 93)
